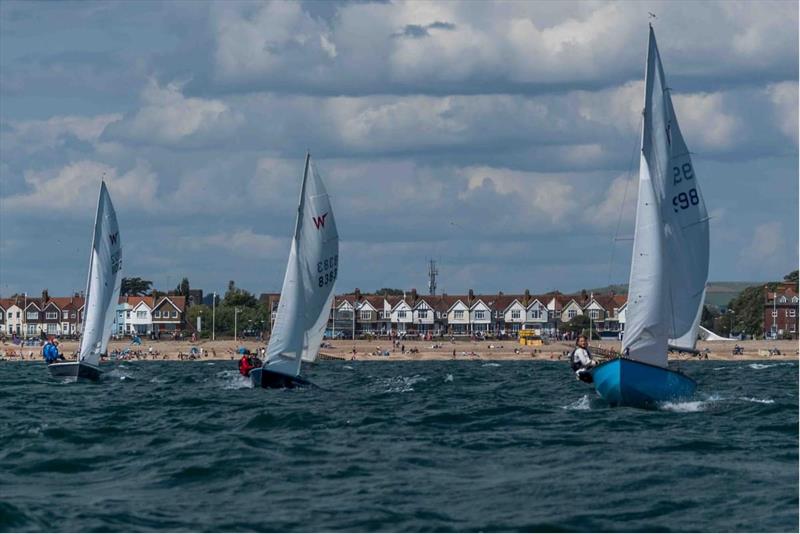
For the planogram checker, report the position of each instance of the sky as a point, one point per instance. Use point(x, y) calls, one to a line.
point(499, 139)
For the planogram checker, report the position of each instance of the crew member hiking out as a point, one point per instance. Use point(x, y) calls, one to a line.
point(581, 360)
point(50, 352)
point(247, 363)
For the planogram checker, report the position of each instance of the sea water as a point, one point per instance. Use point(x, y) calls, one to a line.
point(395, 446)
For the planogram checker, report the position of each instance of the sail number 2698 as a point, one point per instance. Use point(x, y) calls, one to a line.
point(327, 270)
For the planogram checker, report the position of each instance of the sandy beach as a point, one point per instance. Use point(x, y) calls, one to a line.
point(422, 350)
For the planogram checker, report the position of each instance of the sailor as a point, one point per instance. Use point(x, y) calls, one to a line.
point(247, 363)
point(50, 352)
point(581, 360)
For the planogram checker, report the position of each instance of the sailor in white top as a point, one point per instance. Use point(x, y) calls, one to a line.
point(581, 359)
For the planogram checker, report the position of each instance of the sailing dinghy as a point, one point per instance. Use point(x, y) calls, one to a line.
point(102, 293)
point(669, 268)
point(307, 290)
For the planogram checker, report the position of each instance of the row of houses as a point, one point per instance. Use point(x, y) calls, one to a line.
point(470, 314)
point(26, 316)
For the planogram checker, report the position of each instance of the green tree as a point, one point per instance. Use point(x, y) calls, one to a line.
point(135, 286)
point(709, 315)
point(203, 311)
point(748, 308)
point(389, 291)
point(183, 288)
point(792, 277)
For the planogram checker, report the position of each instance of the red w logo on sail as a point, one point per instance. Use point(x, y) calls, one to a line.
point(320, 221)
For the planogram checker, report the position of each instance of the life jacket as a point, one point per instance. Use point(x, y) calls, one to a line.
point(574, 362)
point(245, 367)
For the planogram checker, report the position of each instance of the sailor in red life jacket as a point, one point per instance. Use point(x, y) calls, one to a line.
point(247, 363)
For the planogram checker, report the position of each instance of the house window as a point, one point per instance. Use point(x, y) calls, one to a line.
point(782, 300)
point(73, 315)
point(52, 328)
point(365, 315)
point(795, 300)
point(141, 314)
point(423, 314)
point(401, 315)
point(51, 315)
point(515, 314)
point(479, 315)
point(536, 314)
point(65, 315)
point(157, 314)
point(128, 314)
point(31, 329)
point(572, 313)
point(32, 315)
point(174, 315)
point(792, 312)
point(594, 314)
point(17, 315)
point(458, 314)
point(775, 313)
point(1, 316)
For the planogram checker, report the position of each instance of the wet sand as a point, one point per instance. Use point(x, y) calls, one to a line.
point(369, 350)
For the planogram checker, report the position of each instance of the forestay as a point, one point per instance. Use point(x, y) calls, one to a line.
point(309, 281)
point(105, 277)
point(669, 268)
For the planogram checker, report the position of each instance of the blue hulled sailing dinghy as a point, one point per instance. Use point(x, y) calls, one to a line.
point(102, 294)
point(669, 268)
point(307, 290)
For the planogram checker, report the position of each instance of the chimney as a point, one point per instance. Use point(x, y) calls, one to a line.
point(471, 296)
point(357, 294)
point(413, 295)
point(45, 296)
point(500, 293)
point(527, 297)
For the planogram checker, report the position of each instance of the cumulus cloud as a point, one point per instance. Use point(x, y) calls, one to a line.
point(75, 187)
point(705, 116)
point(168, 117)
point(243, 243)
point(766, 250)
point(784, 99)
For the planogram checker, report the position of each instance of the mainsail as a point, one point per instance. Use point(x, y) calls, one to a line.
point(669, 268)
point(105, 277)
point(307, 291)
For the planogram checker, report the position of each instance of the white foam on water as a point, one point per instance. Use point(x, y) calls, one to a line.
point(490, 364)
point(119, 373)
point(210, 363)
point(347, 367)
point(581, 404)
point(684, 407)
point(761, 365)
point(402, 384)
point(760, 401)
point(234, 380)
point(157, 380)
point(448, 378)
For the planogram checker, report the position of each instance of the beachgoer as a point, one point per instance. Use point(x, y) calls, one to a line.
point(581, 360)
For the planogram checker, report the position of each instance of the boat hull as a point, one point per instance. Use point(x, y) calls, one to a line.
point(75, 370)
point(624, 382)
point(261, 377)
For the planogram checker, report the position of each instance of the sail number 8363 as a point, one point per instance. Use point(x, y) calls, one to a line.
point(327, 270)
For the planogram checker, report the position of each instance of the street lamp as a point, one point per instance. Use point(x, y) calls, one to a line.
point(235, 318)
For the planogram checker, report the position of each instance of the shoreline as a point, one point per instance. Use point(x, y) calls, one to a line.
point(367, 350)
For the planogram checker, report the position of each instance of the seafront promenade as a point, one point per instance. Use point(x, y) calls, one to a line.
point(376, 349)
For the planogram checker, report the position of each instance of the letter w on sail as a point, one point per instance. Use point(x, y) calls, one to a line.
point(319, 222)
point(113, 237)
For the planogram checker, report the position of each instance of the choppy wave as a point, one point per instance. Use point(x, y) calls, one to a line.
point(394, 447)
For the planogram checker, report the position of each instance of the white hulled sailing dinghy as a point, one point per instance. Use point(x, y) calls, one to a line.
point(669, 268)
point(102, 294)
point(307, 291)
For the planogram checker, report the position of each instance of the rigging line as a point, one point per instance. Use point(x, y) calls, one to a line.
point(624, 199)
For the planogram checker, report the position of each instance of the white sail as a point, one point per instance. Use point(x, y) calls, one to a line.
point(105, 277)
point(308, 284)
point(669, 269)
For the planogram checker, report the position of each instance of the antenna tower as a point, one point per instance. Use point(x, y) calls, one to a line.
point(432, 272)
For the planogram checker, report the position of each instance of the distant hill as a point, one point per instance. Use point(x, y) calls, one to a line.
point(717, 293)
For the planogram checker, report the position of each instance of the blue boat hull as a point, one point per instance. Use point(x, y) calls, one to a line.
point(623, 382)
